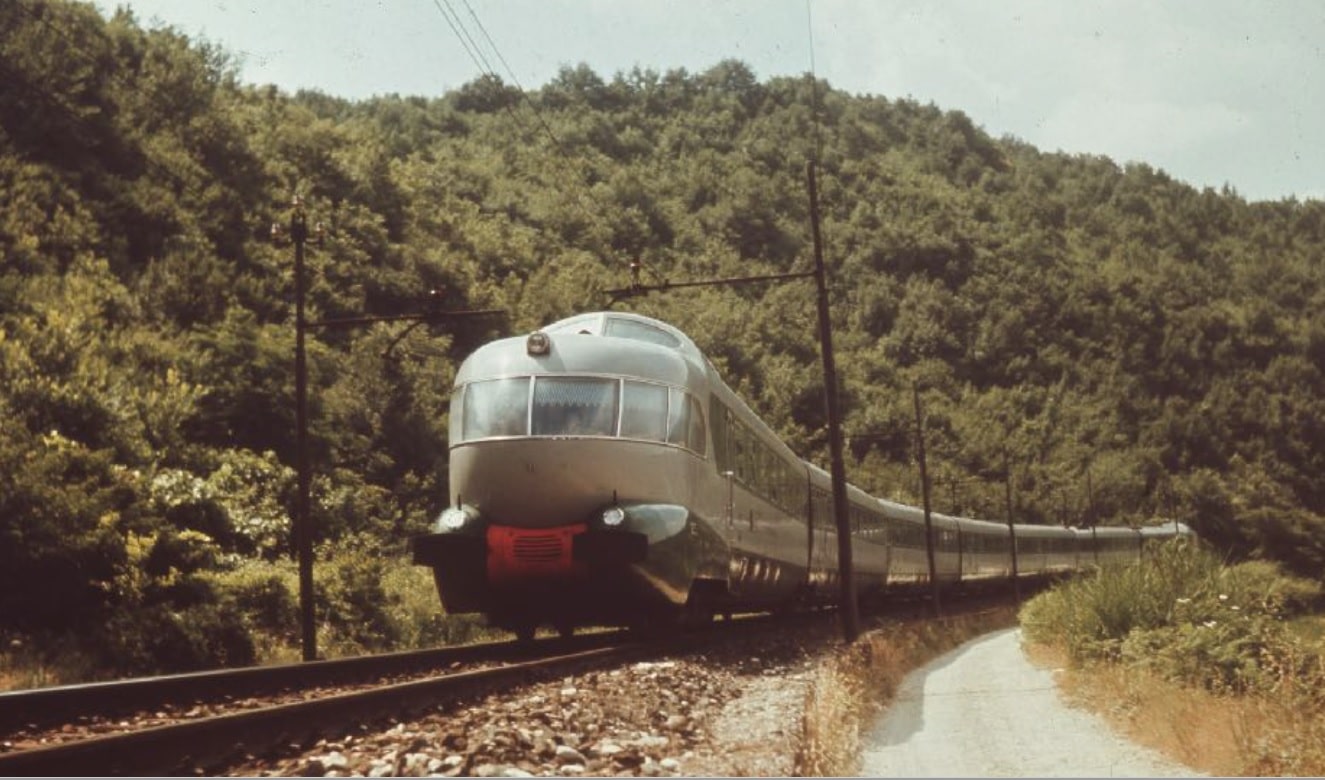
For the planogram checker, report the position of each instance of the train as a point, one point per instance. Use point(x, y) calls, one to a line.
point(602, 472)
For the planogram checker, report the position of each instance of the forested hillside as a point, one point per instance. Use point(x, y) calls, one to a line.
point(1133, 347)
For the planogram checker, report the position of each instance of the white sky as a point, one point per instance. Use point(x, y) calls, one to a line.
point(1212, 91)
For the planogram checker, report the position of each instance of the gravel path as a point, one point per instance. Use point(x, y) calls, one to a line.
point(984, 710)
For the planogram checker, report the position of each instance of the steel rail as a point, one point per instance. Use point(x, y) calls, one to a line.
point(61, 704)
point(207, 743)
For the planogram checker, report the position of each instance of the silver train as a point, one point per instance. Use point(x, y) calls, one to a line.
point(603, 473)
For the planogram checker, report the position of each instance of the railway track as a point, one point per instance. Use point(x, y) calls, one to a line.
point(212, 743)
point(188, 745)
point(39, 707)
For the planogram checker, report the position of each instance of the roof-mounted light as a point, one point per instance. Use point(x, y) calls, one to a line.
point(538, 343)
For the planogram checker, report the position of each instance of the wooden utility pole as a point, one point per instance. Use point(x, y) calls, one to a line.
point(303, 531)
point(846, 571)
point(924, 492)
point(303, 521)
point(850, 616)
point(1012, 532)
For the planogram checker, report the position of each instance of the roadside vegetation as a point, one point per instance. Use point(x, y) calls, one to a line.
point(1219, 665)
point(366, 600)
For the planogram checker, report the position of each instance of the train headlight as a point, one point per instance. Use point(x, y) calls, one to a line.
point(538, 343)
point(614, 516)
point(453, 518)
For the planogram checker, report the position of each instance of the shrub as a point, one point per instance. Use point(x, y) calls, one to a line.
point(267, 594)
point(1182, 614)
point(159, 638)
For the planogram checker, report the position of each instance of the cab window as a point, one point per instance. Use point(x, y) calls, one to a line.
point(496, 407)
point(574, 406)
point(643, 411)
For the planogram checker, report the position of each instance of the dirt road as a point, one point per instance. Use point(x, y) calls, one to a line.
point(984, 710)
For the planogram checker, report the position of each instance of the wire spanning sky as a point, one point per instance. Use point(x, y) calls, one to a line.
point(1214, 92)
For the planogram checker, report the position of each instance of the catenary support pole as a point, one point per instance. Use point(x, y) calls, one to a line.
point(303, 530)
point(850, 615)
point(924, 491)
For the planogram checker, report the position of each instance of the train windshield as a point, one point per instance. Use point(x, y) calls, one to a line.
point(577, 406)
point(574, 406)
point(497, 407)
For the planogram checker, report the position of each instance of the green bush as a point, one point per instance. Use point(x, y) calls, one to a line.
point(1183, 614)
point(159, 638)
point(267, 593)
point(417, 610)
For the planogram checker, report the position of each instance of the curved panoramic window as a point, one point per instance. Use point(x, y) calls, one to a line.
point(574, 406)
point(496, 407)
point(643, 411)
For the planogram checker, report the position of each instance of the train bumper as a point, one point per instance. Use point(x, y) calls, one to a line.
point(475, 566)
point(488, 567)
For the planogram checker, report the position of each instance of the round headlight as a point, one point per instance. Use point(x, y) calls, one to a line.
point(614, 516)
point(538, 343)
point(453, 518)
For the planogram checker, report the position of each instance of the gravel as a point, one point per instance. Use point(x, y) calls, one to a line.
point(984, 710)
point(733, 710)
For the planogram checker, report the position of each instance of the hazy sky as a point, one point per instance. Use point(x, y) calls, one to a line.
point(1212, 91)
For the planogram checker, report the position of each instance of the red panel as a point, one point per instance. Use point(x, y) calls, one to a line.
point(523, 554)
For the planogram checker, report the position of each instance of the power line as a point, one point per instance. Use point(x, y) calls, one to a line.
point(814, 86)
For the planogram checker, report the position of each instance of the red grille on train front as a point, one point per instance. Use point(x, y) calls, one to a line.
point(537, 548)
point(516, 554)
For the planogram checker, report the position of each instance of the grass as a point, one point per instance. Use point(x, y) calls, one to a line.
point(1218, 734)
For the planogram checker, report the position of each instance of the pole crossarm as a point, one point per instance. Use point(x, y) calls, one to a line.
point(440, 316)
point(636, 290)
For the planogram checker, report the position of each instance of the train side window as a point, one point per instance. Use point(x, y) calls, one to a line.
point(643, 411)
point(721, 435)
point(574, 406)
point(496, 407)
point(696, 437)
point(678, 419)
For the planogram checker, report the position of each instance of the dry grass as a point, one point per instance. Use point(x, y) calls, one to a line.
point(1222, 735)
point(851, 688)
